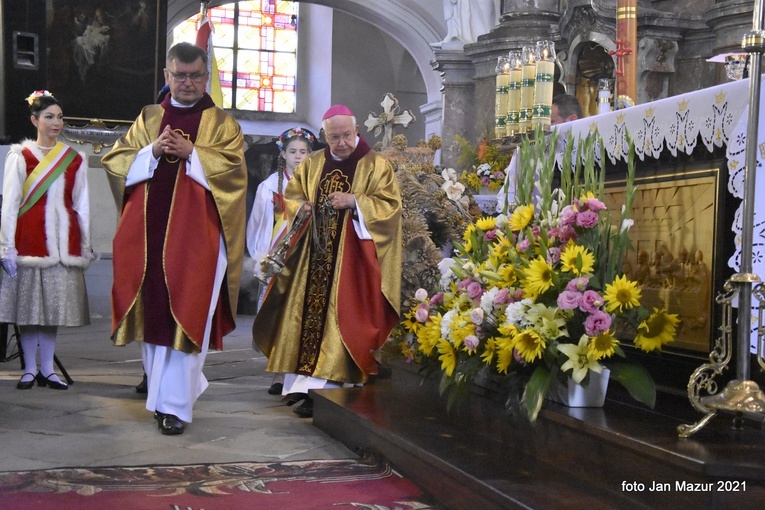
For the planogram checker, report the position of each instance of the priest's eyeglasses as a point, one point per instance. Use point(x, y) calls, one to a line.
point(181, 77)
point(333, 139)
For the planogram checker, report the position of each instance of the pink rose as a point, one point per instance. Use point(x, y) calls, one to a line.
point(485, 181)
point(490, 236)
point(422, 313)
point(502, 297)
point(523, 245)
point(598, 322)
point(590, 302)
point(567, 216)
point(437, 299)
point(578, 284)
point(464, 284)
point(518, 296)
point(474, 290)
point(553, 255)
point(587, 219)
point(593, 204)
point(569, 300)
point(471, 342)
point(567, 234)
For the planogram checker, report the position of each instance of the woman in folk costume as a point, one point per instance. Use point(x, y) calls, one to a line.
point(268, 219)
point(44, 241)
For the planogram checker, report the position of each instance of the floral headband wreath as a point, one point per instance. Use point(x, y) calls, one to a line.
point(292, 133)
point(37, 93)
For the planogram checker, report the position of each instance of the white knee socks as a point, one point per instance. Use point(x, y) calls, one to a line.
point(46, 337)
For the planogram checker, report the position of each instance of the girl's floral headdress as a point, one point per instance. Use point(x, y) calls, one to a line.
point(37, 93)
point(293, 132)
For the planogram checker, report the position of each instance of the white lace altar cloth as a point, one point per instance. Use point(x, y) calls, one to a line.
point(716, 117)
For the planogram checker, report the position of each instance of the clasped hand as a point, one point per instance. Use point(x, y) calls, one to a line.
point(172, 143)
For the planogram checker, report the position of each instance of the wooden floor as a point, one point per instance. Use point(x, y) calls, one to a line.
point(569, 459)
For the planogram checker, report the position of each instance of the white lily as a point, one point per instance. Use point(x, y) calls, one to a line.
point(579, 359)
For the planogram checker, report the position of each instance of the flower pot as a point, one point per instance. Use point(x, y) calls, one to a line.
point(576, 395)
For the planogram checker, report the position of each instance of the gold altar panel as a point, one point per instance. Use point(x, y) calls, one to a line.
point(674, 248)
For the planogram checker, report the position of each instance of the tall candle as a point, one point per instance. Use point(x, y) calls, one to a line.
point(604, 95)
point(543, 84)
point(500, 105)
point(528, 73)
point(514, 94)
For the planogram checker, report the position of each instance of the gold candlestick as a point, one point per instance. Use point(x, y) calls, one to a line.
point(500, 106)
point(514, 95)
point(528, 73)
point(543, 84)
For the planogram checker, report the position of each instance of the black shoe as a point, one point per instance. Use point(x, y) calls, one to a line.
point(294, 398)
point(25, 385)
point(143, 386)
point(305, 410)
point(169, 424)
point(276, 389)
point(54, 385)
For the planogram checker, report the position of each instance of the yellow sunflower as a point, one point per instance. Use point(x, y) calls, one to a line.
point(410, 322)
point(602, 346)
point(504, 350)
point(487, 356)
point(521, 217)
point(486, 223)
point(429, 334)
point(577, 259)
point(529, 345)
point(447, 357)
point(658, 329)
point(507, 273)
point(538, 277)
point(621, 295)
point(467, 234)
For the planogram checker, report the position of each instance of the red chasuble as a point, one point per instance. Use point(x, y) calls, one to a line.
point(181, 234)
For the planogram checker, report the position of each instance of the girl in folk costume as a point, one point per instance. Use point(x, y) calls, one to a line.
point(268, 220)
point(44, 241)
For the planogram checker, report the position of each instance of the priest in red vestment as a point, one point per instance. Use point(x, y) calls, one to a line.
point(179, 180)
point(338, 297)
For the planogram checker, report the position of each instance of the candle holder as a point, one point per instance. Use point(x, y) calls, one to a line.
point(500, 105)
point(515, 63)
point(528, 74)
point(543, 84)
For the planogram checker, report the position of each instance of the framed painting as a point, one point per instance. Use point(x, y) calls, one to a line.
point(674, 236)
point(105, 57)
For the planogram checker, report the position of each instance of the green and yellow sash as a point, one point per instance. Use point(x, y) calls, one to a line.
point(45, 173)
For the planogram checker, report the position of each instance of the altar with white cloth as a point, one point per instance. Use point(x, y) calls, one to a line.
point(703, 120)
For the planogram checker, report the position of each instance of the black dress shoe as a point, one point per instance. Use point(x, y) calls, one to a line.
point(294, 398)
point(25, 385)
point(305, 410)
point(54, 385)
point(276, 389)
point(143, 386)
point(169, 424)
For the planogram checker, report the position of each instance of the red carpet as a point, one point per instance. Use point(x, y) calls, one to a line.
point(368, 483)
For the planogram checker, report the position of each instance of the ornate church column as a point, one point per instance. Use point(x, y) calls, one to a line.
point(456, 71)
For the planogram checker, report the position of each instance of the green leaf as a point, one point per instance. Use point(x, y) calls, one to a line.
point(636, 379)
point(535, 391)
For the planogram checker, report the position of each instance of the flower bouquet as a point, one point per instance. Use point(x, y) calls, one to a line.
point(538, 295)
point(484, 166)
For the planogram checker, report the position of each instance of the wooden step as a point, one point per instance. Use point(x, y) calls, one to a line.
point(476, 457)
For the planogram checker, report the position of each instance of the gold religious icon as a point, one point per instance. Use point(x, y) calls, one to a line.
point(389, 118)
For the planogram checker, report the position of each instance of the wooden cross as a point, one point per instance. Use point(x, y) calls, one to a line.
point(389, 118)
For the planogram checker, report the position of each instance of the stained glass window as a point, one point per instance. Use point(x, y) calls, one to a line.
point(255, 44)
